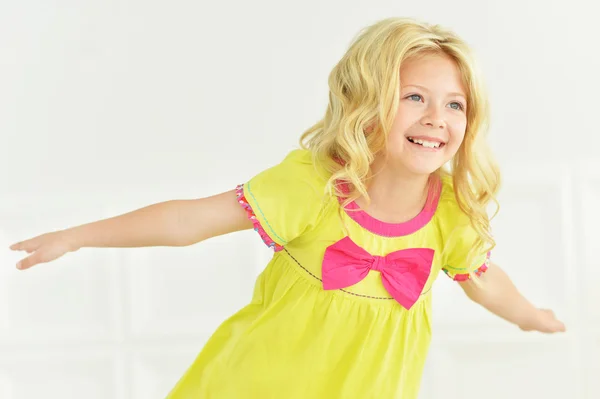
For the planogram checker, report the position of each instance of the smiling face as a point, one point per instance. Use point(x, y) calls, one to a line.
point(431, 119)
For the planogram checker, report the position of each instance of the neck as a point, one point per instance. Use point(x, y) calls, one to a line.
point(396, 195)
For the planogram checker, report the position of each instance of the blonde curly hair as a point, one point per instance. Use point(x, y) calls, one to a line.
point(364, 96)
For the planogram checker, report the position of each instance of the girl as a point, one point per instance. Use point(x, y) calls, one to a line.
point(387, 190)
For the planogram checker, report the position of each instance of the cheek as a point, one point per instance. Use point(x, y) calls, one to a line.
point(405, 118)
point(457, 130)
point(457, 134)
point(396, 135)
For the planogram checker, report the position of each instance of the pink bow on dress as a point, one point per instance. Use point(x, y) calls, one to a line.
point(403, 273)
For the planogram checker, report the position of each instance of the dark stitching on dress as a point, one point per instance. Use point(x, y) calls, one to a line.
point(366, 296)
point(341, 289)
point(298, 263)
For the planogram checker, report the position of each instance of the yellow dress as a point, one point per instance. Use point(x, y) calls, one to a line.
point(297, 340)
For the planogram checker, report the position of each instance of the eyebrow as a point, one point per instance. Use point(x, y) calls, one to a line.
point(454, 93)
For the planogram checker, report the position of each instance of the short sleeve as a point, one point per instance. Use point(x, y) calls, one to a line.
point(285, 200)
point(459, 248)
point(460, 257)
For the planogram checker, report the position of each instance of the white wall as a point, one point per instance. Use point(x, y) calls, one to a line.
point(106, 106)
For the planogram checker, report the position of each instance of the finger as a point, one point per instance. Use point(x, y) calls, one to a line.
point(560, 326)
point(27, 245)
point(553, 325)
point(30, 261)
point(549, 312)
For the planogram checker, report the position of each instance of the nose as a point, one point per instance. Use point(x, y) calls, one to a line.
point(433, 119)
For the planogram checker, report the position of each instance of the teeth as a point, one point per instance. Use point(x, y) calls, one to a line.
point(425, 143)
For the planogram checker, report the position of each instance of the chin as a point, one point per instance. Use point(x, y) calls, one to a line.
point(422, 169)
point(416, 165)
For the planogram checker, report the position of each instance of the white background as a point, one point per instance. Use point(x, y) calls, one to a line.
point(107, 106)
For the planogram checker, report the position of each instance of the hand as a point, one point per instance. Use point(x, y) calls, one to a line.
point(543, 321)
point(44, 248)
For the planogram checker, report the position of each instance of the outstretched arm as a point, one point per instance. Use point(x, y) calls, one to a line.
point(498, 294)
point(170, 223)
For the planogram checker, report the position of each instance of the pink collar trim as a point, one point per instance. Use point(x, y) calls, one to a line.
point(396, 229)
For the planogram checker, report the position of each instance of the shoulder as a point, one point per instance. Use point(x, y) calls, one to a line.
point(299, 156)
point(455, 226)
point(449, 214)
point(286, 200)
point(297, 179)
point(301, 161)
point(461, 248)
point(298, 170)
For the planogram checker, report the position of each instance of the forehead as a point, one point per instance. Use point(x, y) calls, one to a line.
point(434, 72)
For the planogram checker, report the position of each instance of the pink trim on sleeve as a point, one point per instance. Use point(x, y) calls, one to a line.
point(466, 276)
point(239, 191)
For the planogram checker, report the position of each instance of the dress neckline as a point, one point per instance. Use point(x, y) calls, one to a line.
point(387, 229)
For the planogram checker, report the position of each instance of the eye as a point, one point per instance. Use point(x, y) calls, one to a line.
point(415, 97)
point(458, 106)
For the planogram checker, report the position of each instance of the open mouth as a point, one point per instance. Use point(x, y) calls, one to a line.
point(434, 144)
